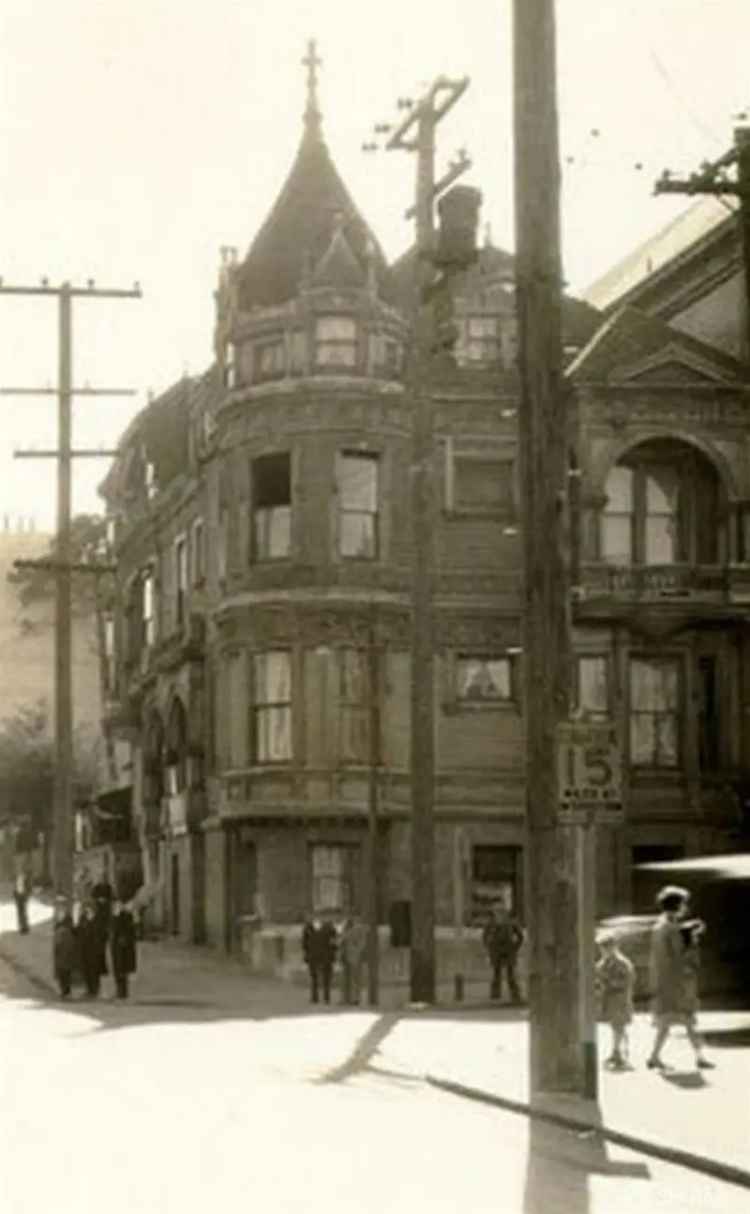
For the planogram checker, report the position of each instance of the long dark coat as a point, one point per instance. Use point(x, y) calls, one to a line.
point(319, 944)
point(122, 943)
point(64, 946)
point(92, 946)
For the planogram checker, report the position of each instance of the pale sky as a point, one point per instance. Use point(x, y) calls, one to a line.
point(137, 138)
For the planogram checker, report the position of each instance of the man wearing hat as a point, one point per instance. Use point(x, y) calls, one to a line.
point(92, 943)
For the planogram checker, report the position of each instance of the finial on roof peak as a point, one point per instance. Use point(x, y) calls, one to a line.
point(312, 62)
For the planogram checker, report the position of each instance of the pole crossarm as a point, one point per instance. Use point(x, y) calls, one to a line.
point(454, 89)
point(52, 566)
point(75, 453)
point(73, 391)
point(91, 292)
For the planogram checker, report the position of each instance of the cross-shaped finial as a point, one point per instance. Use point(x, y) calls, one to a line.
point(312, 62)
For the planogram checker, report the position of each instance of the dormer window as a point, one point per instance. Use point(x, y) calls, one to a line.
point(270, 359)
point(335, 342)
point(482, 339)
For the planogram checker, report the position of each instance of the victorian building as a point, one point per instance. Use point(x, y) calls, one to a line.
point(263, 533)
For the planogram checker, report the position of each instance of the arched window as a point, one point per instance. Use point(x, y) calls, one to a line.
point(662, 507)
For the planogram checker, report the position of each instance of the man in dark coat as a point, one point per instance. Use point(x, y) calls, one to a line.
point(21, 898)
point(92, 945)
point(122, 947)
point(64, 947)
point(503, 937)
point(103, 896)
point(319, 951)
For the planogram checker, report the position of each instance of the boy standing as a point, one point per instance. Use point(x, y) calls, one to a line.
point(615, 980)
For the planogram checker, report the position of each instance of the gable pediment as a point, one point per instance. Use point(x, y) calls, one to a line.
point(673, 364)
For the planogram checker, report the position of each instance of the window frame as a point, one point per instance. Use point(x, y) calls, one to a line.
point(258, 553)
point(374, 460)
point(181, 581)
point(686, 464)
point(489, 344)
point(677, 662)
point(463, 703)
point(198, 551)
point(360, 708)
point(512, 875)
point(271, 344)
point(349, 853)
point(504, 457)
point(148, 605)
point(259, 707)
point(335, 365)
point(596, 714)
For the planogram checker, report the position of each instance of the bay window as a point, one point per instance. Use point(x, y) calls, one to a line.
point(357, 478)
point(272, 706)
point(272, 506)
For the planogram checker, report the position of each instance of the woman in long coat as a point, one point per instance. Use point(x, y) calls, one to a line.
point(122, 947)
point(674, 962)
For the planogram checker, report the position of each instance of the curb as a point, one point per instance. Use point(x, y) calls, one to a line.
point(686, 1159)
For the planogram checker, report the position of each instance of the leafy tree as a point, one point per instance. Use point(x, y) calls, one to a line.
point(87, 546)
point(27, 759)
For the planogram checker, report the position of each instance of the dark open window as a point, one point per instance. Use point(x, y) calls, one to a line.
point(272, 506)
point(708, 713)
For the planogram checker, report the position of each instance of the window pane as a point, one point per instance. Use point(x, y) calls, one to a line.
point(271, 477)
point(273, 741)
point(654, 685)
point(642, 734)
point(336, 328)
point(272, 677)
point(357, 535)
point(661, 540)
point(358, 482)
point(617, 533)
point(483, 678)
point(592, 684)
point(482, 326)
point(353, 676)
point(662, 486)
point(619, 490)
point(273, 532)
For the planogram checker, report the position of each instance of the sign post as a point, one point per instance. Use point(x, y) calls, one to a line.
point(589, 766)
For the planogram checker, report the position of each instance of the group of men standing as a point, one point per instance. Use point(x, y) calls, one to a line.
point(104, 925)
point(322, 944)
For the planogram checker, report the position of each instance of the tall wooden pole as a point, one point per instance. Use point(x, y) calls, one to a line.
point(373, 660)
point(63, 786)
point(422, 971)
point(555, 1057)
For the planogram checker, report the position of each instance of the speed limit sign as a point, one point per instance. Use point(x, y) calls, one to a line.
point(589, 771)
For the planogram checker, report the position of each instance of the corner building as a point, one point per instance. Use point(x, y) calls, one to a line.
point(262, 526)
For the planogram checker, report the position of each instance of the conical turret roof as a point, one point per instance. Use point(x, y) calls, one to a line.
point(299, 230)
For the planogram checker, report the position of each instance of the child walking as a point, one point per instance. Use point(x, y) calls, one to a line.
point(615, 979)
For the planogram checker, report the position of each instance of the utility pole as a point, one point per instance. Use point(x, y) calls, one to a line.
point(63, 775)
point(711, 178)
point(555, 1060)
point(373, 960)
point(416, 133)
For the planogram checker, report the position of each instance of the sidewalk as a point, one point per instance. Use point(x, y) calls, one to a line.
point(700, 1119)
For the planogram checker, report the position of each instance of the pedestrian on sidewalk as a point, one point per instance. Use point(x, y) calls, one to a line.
point(319, 951)
point(615, 980)
point(103, 895)
point(502, 937)
point(674, 967)
point(122, 947)
point(352, 948)
point(64, 946)
point(92, 948)
point(21, 897)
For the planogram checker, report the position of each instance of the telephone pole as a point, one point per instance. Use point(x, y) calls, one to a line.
point(711, 178)
point(64, 455)
point(416, 133)
point(556, 1061)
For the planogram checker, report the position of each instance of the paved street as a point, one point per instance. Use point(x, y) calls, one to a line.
point(170, 1106)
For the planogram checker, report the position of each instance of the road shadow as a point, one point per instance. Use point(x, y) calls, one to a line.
point(561, 1162)
point(687, 1081)
point(364, 1051)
